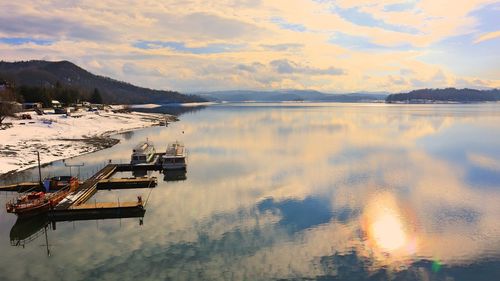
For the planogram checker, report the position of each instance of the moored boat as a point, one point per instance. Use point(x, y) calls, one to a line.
point(39, 202)
point(175, 157)
point(57, 183)
point(142, 153)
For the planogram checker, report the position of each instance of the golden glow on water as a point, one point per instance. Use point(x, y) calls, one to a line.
point(388, 229)
point(388, 232)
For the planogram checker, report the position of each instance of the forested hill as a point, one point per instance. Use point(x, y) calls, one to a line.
point(291, 95)
point(445, 95)
point(65, 74)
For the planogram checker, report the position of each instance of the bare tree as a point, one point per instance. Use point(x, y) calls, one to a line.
point(7, 102)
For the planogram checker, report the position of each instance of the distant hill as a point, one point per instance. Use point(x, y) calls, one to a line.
point(48, 74)
point(290, 95)
point(445, 95)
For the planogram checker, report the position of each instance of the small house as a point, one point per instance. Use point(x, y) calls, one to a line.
point(56, 104)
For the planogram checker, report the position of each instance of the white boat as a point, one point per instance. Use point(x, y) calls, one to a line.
point(175, 157)
point(142, 153)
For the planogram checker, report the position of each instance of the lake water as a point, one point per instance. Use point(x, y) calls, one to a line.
point(290, 192)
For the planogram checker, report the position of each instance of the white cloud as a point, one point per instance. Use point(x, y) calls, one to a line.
point(87, 32)
point(487, 36)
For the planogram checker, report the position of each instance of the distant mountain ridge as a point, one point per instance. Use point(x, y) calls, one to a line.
point(47, 74)
point(290, 95)
point(445, 95)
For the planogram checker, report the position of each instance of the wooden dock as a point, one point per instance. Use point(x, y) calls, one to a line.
point(130, 168)
point(127, 183)
point(21, 187)
point(109, 183)
point(87, 189)
point(74, 207)
point(98, 210)
point(106, 205)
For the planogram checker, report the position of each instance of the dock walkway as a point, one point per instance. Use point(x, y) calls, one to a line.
point(99, 210)
point(73, 206)
point(87, 189)
point(104, 184)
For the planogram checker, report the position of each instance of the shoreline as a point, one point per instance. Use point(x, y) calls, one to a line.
point(58, 137)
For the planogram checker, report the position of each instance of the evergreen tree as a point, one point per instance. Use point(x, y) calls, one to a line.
point(96, 97)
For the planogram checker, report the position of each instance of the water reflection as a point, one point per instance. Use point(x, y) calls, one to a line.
point(27, 230)
point(174, 175)
point(391, 231)
point(176, 110)
point(321, 192)
point(138, 173)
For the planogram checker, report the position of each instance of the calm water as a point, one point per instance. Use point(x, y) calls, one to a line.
point(299, 191)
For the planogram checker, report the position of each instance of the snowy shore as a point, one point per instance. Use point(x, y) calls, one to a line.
point(59, 137)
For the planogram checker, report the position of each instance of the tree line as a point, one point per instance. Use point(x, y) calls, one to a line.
point(66, 95)
point(447, 95)
point(45, 94)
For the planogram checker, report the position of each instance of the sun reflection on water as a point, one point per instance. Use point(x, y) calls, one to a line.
point(389, 229)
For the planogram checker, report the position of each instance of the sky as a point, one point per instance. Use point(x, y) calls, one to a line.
point(331, 46)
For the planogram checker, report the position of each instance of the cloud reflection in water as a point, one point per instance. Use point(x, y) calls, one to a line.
point(331, 191)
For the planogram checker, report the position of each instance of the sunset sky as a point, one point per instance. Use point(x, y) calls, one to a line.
point(331, 46)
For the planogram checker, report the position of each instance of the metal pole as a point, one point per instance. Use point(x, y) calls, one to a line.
point(47, 242)
point(39, 168)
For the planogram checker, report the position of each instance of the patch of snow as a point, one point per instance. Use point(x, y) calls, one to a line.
point(59, 137)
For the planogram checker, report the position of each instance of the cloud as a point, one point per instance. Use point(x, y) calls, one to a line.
point(204, 26)
point(229, 45)
point(364, 43)
point(254, 67)
point(397, 80)
point(181, 47)
point(486, 17)
point(284, 66)
point(401, 6)
point(21, 41)
point(283, 47)
point(472, 83)
point(405, 71)
point(484, 161)
point(287, 25)
point(357, 16)
point(134, 69)
point(56, 28)
point(487, 36)
point(438, 78)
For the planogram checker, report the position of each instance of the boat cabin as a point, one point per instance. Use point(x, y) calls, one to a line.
point(142, 153)
point(175, 157)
